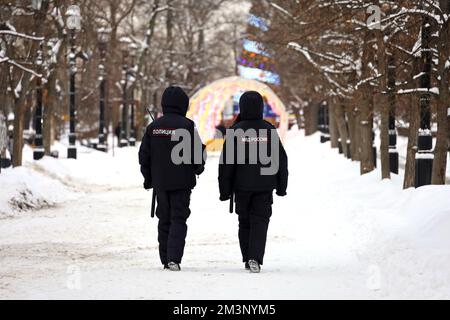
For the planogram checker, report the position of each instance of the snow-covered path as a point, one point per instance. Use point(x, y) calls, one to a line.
point(334, 236)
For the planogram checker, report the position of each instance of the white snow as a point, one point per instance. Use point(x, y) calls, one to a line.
point(433, 90)
point(92, 168)
point(336, 235)
point(24, 189)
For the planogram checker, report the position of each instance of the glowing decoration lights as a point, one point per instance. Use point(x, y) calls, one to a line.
point(207, 105)
point(258, 74)
point(255, 47)
point(258, 22)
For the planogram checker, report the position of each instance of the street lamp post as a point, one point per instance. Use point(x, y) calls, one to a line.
point(324, 122)
point(320, 123)
point(3, 138)
point(133, 54)
point(374, 147)
point(38, 152)
point(74, 25)
point(424, 155)
point(393, 153)
point(124, 43)
point(103, 38)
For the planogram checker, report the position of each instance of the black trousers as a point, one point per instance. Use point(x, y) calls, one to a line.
point(172, 211)
point(254, 210)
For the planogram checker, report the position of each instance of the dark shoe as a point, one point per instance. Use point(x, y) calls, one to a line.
point(166, 267)
point(254, 266)
point(247, 267)
point(173, 266)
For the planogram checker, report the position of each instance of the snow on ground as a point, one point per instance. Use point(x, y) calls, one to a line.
point(336, 235)
point(25, 189)
point(402, 147)
point(92, 168)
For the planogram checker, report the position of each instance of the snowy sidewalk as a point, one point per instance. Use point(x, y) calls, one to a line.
point(336, 235)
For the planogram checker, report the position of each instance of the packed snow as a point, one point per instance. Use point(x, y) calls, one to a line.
point(23, 189)
point(336, 235)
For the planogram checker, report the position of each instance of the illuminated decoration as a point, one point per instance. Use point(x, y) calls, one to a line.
point(208, 104)
point(255, 62)
point(255, 47)
point(258, 22)
point(252, 60)
point(260, 75)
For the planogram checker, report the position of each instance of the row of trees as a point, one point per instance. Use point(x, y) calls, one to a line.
point(183, 42)
point(374, 63)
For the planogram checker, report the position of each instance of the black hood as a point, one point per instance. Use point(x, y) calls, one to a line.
point(175, 100)
point(251, 106)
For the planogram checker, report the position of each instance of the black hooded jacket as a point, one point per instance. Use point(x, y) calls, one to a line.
point(247, 176)
point(155, 153)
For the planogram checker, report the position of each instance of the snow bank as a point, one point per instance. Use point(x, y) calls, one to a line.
point(401, 236)
point(92, 168)
point(44, 183)
point(24, 189)
point(427, 212)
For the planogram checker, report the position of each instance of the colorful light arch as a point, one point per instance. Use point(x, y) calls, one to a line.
point(207, 105)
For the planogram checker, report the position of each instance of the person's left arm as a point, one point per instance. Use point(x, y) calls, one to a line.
point(145, 160)
point(199, 166)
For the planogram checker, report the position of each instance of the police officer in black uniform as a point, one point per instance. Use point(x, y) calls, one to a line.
point(173, 182)
point(252, 188)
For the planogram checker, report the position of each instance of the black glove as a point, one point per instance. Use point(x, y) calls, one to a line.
point(198, 170)
point(147, 185)
point(224, 197)
point(281, 193)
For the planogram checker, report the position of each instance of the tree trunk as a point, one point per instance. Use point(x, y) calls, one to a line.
point(414, 124)
point(410, 167)
point(442, 140)
point(3, 89)
point(357, 140)
point(384, 109)
point(19, 115)
point(20, 102)
point(19, 118)
point(144, 104)
point(342, 127)
point(169, 41)
point(311, 118)
point(334, 133)
point(367, 161)
point(352, 112)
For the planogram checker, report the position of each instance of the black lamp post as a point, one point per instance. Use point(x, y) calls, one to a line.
point(324, 122)
point(74, 25)
point(374, 147)
point(132, 77)
point(3, 138)
point(424, 155)
point(124, 44)
point(320, 122)
point(393, 153)
point(103, 38)
point(38, 152)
